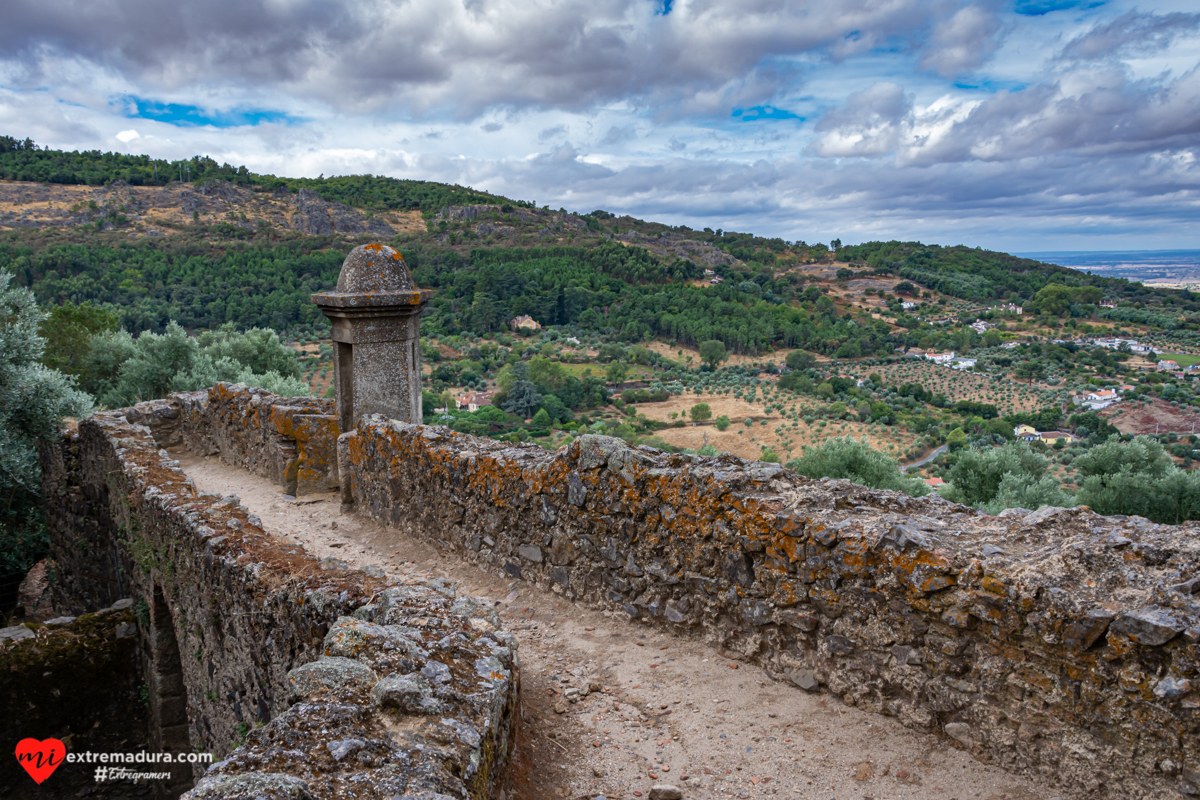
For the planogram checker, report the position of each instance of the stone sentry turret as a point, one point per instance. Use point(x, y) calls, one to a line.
point(375, 313)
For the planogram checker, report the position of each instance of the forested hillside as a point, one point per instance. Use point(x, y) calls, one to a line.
point(232, 252)
point(983, 275)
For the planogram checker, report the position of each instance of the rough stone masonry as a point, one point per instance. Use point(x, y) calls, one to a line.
point(308, 680)
point(1059, 641)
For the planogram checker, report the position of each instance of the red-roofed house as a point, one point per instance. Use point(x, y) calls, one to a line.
point(473, 401)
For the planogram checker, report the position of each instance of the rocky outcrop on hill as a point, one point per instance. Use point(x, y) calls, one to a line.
point(670, 245)
point(314, 215)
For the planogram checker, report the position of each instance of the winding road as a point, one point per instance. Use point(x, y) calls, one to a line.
point(924, 460)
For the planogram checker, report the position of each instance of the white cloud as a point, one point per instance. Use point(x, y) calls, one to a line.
point(963, 42)
point(951, 120)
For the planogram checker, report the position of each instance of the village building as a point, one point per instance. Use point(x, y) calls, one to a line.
point(934, 482)
point(1101, 399)
point(1051, 437)
point(473, 401)
point(525, 323)
point(1026, 432)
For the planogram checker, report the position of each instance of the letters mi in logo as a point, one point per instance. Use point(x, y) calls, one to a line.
point(40, 759)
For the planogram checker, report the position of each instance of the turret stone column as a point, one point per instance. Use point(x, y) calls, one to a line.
point(375, 313)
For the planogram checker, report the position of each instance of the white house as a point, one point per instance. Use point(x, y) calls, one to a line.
point(963, 363)
point(940, 358)
point(907, 305)
point(1101, 399)
point(980, 326)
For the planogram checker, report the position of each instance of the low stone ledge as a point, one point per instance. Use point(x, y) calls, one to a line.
point(414, 697)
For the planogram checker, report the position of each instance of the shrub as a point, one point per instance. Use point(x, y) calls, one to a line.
point(855, 460)
point(33, 401)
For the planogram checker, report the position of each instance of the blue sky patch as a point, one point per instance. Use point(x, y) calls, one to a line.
point(1039, 8)
point(991, 86)
point(190, 116)
point(664, 7)
point(763, 112)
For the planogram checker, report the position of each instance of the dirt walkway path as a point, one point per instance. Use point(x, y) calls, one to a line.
point(638, 707)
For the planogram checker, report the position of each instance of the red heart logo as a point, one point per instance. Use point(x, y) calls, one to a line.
point(40, 759)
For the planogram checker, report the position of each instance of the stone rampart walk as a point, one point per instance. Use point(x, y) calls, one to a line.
point(613, 707)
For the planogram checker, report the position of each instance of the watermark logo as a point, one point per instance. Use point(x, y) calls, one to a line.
point(40, 759)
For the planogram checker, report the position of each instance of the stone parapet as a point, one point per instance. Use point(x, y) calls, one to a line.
point(229, 616)
point(289, 440)
point(1060, 641)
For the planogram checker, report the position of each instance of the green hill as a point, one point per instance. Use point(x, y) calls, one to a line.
point(231, 246)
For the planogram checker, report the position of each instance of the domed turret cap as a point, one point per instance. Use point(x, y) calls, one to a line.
point(374, 268)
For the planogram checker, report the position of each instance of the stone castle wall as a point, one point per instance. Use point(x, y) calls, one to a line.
point(306, 678)
point(1061, 642)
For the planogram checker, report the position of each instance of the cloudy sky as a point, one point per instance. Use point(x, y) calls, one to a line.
point(1015, 124)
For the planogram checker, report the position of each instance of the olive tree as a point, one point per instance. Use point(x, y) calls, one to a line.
point(33, 401)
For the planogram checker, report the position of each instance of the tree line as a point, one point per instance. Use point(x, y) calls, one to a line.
point(24, 160)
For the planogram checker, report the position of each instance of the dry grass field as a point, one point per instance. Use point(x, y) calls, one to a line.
point(785, 436)
point(735, 360)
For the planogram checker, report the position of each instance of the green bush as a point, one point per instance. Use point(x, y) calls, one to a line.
point(121, 370)
point(855, 460)
point(1137, 477)
point(996, 478)
point(33, 401)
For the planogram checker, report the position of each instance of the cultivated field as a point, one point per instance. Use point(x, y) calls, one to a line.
point(781, 433)
point(1006, 393)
